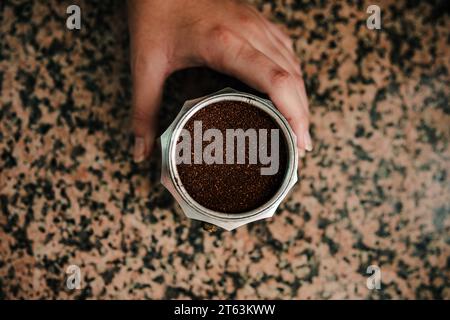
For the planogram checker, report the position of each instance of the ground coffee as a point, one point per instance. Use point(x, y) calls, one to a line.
point(232, 188)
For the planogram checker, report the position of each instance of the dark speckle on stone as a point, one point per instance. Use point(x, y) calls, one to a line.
point(77, 151)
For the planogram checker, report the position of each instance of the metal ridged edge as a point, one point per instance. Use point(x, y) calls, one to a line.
point(168, 180)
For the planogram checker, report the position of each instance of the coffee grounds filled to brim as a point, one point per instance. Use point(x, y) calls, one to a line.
point(232, 188)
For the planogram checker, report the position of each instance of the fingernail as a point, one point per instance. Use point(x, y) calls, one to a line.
point(301, 152)
point(139, 149)
point(308, 142)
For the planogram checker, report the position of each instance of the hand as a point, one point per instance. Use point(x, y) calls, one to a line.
point(228, 36)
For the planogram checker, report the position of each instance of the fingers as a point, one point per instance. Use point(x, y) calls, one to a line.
point(265, 40)
point(302, 90)
point(287, 50)
point(229, 53)
point(148, 81)
point(280, 40)
point(284, 43)
point(284, 38)
point(252, 28)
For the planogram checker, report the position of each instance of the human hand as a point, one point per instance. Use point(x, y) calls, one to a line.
point(228, 36)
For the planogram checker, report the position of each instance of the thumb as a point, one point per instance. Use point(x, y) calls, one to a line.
point(147, 92)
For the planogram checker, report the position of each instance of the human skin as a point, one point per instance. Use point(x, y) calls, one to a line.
point(228, 36)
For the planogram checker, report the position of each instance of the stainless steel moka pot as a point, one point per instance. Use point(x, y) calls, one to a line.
point(171, 180)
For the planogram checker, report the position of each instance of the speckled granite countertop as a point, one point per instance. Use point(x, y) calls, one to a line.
point(376, 189)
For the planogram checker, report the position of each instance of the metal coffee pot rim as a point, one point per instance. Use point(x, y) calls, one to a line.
point(171, 180)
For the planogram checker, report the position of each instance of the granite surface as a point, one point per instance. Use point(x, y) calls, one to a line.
point(375, 190)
